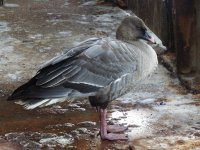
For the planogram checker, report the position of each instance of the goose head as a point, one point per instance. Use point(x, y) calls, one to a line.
point(133, 28)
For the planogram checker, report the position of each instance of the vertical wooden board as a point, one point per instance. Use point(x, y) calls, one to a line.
point(197, 38)
point(183, 23)
point(157, 15)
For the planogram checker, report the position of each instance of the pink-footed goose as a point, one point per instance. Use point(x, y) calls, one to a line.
point(102, 69)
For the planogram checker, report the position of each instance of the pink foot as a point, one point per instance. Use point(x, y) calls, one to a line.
point(116, 128)
point(112, 137)
point(105, 129)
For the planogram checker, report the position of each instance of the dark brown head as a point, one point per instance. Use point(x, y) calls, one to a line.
point(133, 28)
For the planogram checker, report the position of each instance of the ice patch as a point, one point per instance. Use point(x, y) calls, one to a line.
point(36, 140)
point(87, 123)
point(6, 48)
point(59, 140)
point(104, 18)
point(137, 97)
point(90, 3)
point(82, 22)
point(64, 33)
point(83, 17)
point(11, 5)
point(66, 3)
point(4, 27)
point(138, 118)
point(108, 22)
point(5, 40)
point(12, 76)
point(65, 125)
point(55, 21)
point(50, 13)
point(147, 101)
point(36, 36)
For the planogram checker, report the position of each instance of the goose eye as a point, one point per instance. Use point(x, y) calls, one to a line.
point(141, 29)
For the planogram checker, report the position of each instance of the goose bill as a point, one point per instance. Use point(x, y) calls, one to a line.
point(149, 38)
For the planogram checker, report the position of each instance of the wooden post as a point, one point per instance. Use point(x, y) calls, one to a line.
point(196, 47)
point(186, 19)
point(183, 25)
point(1, 2)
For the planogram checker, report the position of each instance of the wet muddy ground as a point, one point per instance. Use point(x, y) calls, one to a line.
point(160, 113)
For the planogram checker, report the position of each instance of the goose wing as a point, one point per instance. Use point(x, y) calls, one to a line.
point(89, 66)
point(81, 71)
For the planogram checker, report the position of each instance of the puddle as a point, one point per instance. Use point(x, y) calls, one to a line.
point(8, 145)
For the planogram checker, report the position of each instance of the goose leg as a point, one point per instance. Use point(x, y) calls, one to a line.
point(104, 129)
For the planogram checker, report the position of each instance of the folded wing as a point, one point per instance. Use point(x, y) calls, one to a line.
point(81, 71)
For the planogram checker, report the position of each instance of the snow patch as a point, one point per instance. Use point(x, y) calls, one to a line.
point(66, 3)
point(10, 5)
point(90, 3)
point(58, 140)
point(64, 33)
point(12, 76)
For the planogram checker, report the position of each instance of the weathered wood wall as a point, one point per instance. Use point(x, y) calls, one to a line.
point(177, 23)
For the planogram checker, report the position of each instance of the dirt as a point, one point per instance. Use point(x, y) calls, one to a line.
point(160, 113)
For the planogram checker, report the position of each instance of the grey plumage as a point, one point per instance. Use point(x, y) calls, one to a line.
point(101, 68)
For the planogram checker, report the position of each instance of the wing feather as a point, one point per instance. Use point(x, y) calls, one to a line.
point(84, 69)
point(99, 64)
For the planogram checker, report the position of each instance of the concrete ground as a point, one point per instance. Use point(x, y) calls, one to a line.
point(160, 113)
